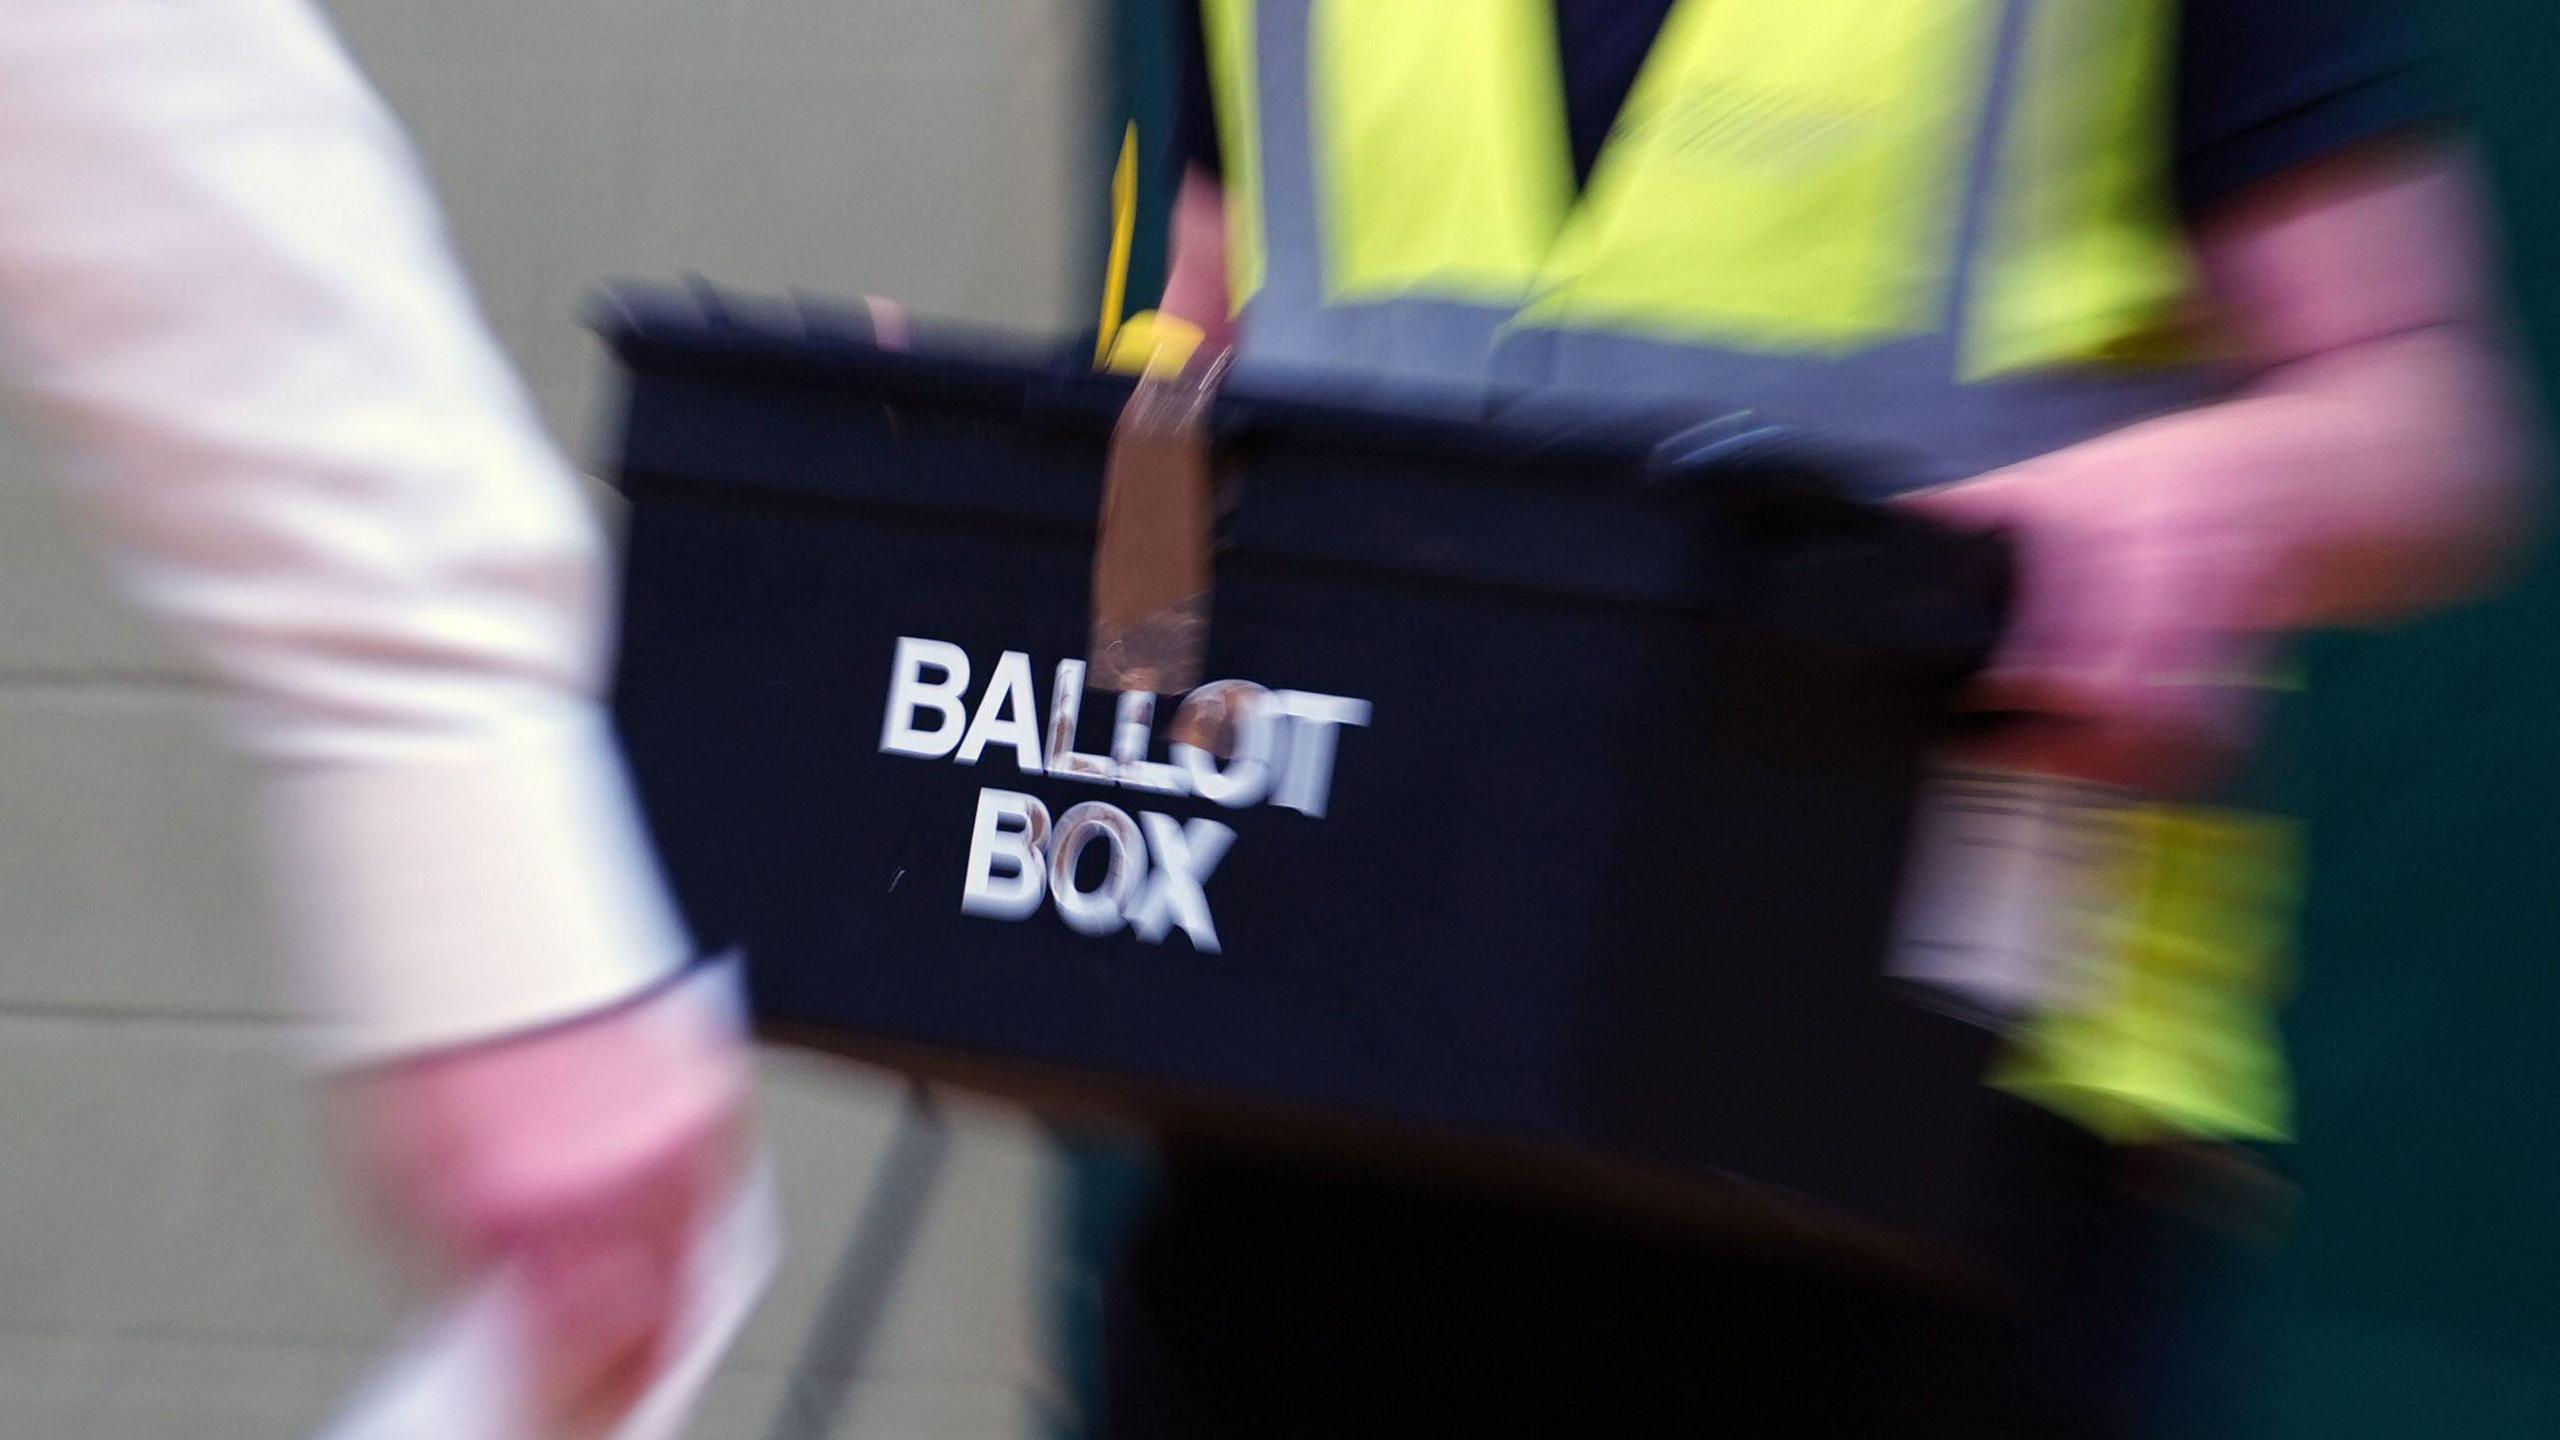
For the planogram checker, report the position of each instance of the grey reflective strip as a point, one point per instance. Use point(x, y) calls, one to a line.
point(1453, 355)
point(1445, 347)
point(1291, 324)
point(1983, 171)
point(1293, 288)
point(1894, 397)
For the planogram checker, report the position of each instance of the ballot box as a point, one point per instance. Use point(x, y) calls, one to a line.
point(1565, 839)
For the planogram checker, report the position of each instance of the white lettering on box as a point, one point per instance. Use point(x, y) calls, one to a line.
point(910, 695)
point(1233, 743)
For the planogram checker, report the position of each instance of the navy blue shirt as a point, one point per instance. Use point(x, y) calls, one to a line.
point(2263, 85)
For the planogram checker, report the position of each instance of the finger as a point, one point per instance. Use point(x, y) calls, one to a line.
point(601, 1316)
point(889, 328)
point(1989, 505)
point(2185, 737)
point(2057, 622)
point(604, 1405)
point(607, 1284)
point(1986, 502)
point(2220, 699)
point(654, 1165)
point(2179, 674)
point(2033, 744)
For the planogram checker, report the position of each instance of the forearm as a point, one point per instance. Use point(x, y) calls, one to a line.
point(2380, 460)
point(2380, 478)
point(227, 297)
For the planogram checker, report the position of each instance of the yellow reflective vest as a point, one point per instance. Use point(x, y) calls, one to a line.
point(1942, 226)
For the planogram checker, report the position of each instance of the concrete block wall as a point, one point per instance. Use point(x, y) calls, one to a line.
point(172, 1263)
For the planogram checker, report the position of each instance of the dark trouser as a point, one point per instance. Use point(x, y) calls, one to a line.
point(1263, 1297)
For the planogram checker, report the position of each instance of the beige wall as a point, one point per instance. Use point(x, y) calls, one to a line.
point(169, 1263)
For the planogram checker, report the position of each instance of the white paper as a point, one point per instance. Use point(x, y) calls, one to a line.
point(460, 1373)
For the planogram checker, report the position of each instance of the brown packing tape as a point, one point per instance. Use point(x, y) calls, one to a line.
point(1151, 571)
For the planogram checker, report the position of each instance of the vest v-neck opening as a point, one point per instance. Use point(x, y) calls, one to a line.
point(1602, 46)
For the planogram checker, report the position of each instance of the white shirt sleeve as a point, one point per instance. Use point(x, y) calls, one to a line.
point(226, 293)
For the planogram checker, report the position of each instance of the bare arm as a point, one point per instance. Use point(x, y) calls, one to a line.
point(2375, 468)
point(2379, 456)
point(1195, 288)
point(2389, 427)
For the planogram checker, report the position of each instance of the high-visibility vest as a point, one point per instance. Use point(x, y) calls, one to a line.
point(1944, 224)
point(1947, 227)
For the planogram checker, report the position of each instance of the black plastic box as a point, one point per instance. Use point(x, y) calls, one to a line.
point(1603, 875)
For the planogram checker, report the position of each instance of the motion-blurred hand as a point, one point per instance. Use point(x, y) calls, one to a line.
point(2376, 468)
point(582, 1159)
point(2138, 641)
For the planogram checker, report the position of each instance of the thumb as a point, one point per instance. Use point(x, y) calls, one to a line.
point(1998, 501)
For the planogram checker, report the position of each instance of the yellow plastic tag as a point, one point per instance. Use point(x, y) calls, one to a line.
point(1153, 344)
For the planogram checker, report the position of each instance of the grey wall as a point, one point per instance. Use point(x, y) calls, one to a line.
point(171, 1264)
